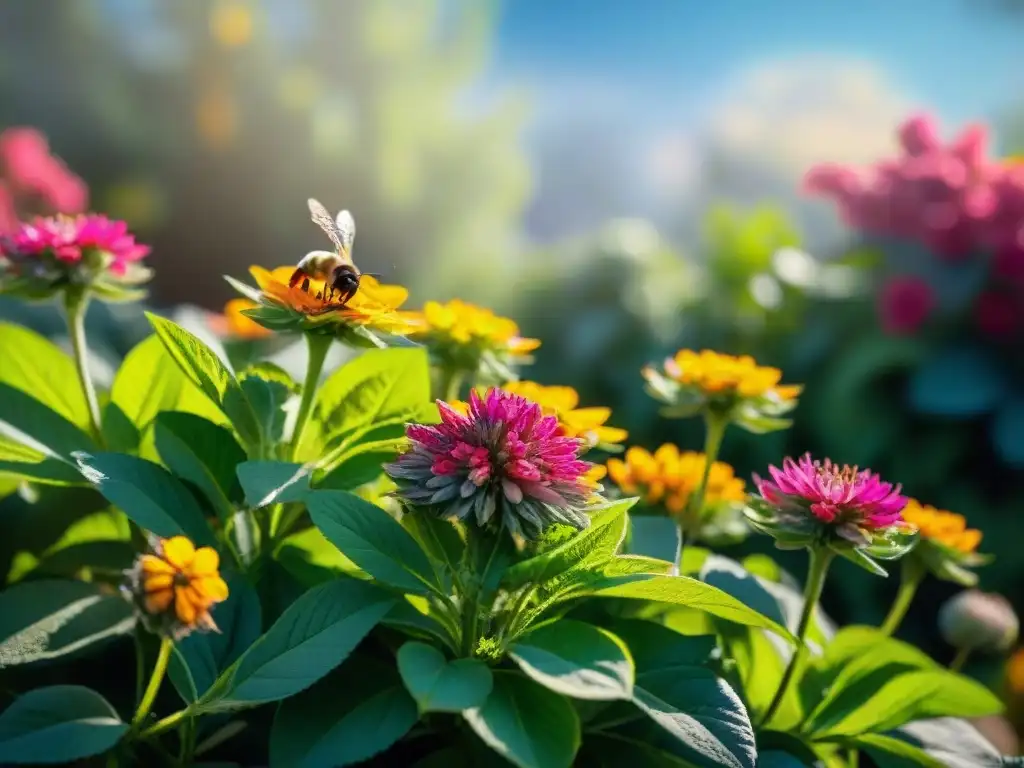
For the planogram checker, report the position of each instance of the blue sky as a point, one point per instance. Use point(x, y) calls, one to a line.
point(963, 57)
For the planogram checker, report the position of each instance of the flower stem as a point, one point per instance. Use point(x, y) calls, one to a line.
point(911, 575)
point(960, 659)
point(452, 380)
point(166, 724)
point(159, 670)
point(714, 425)
point(76, 303)
point(821, 557)
point(318, 345)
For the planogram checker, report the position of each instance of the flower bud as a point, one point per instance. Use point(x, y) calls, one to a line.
point(979, 621)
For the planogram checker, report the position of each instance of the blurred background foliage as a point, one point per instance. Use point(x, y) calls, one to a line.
point(207, 124)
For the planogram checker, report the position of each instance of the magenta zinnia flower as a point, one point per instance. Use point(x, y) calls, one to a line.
point(504, 461)
point(69, 239)
point(810, 503)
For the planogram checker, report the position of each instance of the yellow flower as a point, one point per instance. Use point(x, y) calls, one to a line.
point(669, 477)
point(715, 374)
point(374, 307)
point(588, 424)
point(233, 323)
point(945, 528)
point(464, 324)
point(180, 584)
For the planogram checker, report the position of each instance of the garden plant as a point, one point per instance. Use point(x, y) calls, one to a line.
point(419, 559)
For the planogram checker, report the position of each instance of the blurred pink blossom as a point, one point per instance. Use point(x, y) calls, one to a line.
point(32, 172)
point(904, 304)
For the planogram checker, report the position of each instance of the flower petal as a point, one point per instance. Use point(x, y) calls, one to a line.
point(178, 551)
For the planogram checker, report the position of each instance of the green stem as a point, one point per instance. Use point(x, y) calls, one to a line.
point(471, 602)
point(821, 557)
point(318, 345)
point(159, 670)
point(911, 575)
point(452, 380)
point(715, 425)
point(853, 758)
point(76, 303)
point(166, 724)
point(960, 659)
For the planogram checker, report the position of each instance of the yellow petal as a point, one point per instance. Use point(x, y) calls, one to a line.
point(178, 551)
point(154, 564)
point(610, 435)
point(211, 588)
point(185, 606)
point(157, 602)
point(158, 582)
point(205, 563)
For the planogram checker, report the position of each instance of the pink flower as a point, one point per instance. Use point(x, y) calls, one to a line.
point(904, 304)
point(918, 135)
point(503, 461)
point(854, 503)
point(30, 169)
point(69, 239)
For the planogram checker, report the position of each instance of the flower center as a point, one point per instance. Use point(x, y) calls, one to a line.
point(842, 474)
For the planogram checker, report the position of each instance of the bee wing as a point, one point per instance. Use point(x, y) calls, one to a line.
point(346, 225)
point(323, 220)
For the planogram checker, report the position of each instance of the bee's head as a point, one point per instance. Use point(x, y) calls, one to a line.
point(345, 279)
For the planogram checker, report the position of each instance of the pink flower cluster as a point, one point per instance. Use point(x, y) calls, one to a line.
point(33, 180)
point(505, 459)
point(850, 499)
point(949, 197)
point(68, 238)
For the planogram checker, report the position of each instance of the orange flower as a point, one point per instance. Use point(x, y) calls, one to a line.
point(181, 583)
point(374, 306)
point(945, 528)
point(588, 424)
point(464, 324)
point(233, 323)
point(669, 477)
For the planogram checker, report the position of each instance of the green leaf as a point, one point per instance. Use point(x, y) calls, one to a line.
point(50, 619)
point(119, 432)
point(273, 482)
point(527, 724)
point(350, 716)
point(590, 548)
point(58, 724)
point(946, 741)
point(761, 659)
point(611, 749)
point(912, 695)
point(311, 559)
point(206, 370)
point(38, 426)
point(267, 397)
point(99, 541)
point(576, 659)
point(313, 636)
point(685, 699)
point(23, 462)
point(377, 387)
point(203, 453)
point(38, 367)
point(200, 658)
point(890, 751)
point(373, 540)
point(438, 685)
point(148, 494)
point(149, 382)
point(683, 590)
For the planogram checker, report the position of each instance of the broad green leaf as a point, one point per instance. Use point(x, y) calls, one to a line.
point(206, 370)
point(386, 386)
point(49, 619)
point(58, 724)
point(683, 590)
point(355, 713)
point(25, 420)
point(313, 636)
point(900, 699)
point(417, 617)
point(200, 658)
point(148, 494)
point(22, 462)
point(273, 482)
point(98, 541)
point(612, 749)
point(119, 432)
point(439, 685)
point(203, 453)
point(949, 742)
point(359, 467)
point(761, 658)
point(590, 548)
point(527, 724)
point(38, 367)
point(888, 752)
point(576, 659)
point(685, 699)
point(312, 559)
point(149, 382)
point(267, 396)
point(373, 540)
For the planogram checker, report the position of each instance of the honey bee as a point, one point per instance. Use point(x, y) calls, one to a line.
point(335, 268)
